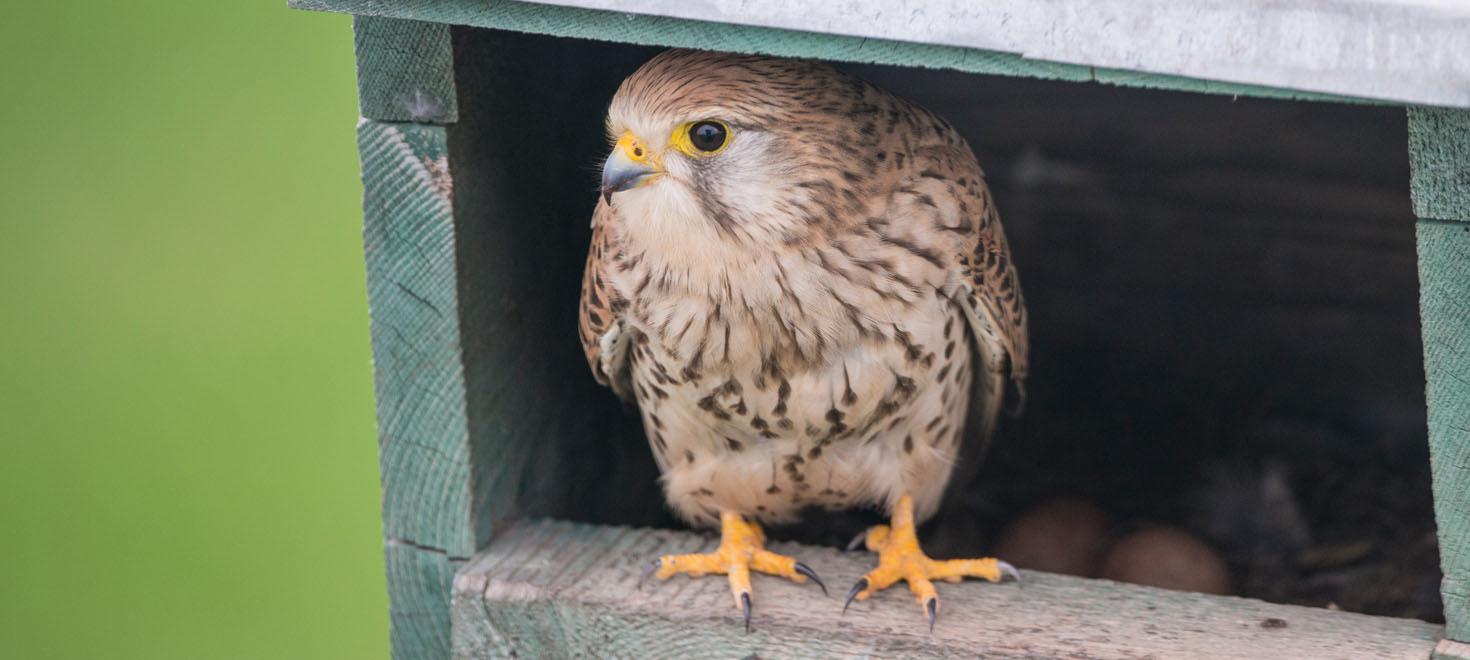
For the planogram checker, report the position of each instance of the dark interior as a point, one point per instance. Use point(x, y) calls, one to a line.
point(1223, 293)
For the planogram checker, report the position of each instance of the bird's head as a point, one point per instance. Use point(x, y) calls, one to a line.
point(744, 148)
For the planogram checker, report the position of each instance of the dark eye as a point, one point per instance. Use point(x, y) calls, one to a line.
point(708, 136)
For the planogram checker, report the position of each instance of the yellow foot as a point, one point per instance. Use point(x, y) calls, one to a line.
point(742, 550)
point(899, 557)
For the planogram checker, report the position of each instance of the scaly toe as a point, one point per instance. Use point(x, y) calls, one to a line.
point(741, 552)
point(925, 594)
point(901, 558)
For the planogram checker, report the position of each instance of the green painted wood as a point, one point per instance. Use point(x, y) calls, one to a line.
point(470, 231)
point(672, 32)
point(1439, 150)
point(409, 238)
point(423, 432)
point(557, 589)
point(405, 70)
point(669, 32)
point(547, 439)
point(418, 603)
point(1444, 295)
point(1439, 160)
point(1123, 78)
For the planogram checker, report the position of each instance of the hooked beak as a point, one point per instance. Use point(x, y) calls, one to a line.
point(630, 165)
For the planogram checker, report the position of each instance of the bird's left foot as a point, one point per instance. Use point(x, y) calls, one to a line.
point(900, 558)
point(742, 550)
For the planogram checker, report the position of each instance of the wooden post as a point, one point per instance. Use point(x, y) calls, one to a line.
point(1439, 146)
point(405, 72)
point(473, 244)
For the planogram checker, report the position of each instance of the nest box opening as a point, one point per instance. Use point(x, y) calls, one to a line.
point(1223, 298)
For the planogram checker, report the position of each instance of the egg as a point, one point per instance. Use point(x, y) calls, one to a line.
point(1168, 558)
point(1064, 535)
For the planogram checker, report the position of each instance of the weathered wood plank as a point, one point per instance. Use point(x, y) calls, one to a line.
point(555, 589)
point(1444, 294)
point(1449, 649)
point(409, 240)
point(622, 27)
point(671, 32)
point(1401, 51)
point(405, 70)
point(423, 434)
point(1439, 158)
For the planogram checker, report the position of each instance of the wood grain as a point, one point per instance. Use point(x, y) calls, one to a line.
point(684, 33)
point(418, 602)
point(423, 435)
point(1448, 649)
point(556, 589)
point(1439, 155)
point(405, 70)
point(1400, 51)
point(1365, 48)
point(1444, 295)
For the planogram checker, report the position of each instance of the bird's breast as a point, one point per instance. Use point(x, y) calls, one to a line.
point(735, 426)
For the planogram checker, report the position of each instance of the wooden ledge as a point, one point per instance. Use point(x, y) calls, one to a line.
point(557, 589)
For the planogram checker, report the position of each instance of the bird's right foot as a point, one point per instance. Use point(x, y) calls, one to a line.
point(742, 550)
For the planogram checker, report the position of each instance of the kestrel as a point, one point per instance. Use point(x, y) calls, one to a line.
point(802, 282)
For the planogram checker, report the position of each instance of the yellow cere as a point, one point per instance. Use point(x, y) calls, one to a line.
point(635, 150)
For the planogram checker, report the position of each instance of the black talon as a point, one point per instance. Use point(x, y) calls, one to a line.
point(657, 563)
point(857, 540)
point(933, 606)
point(862, 584)
point(807, 571)
point(745, 604)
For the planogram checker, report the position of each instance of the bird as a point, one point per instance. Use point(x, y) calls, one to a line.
point(801, 282)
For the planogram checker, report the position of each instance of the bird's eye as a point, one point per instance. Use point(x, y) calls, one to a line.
point(708, 136)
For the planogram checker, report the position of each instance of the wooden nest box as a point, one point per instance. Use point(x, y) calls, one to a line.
point(481, 130)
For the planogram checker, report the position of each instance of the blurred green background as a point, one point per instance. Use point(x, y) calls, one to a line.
point(187, 458)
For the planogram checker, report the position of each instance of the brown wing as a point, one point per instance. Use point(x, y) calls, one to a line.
point(948, 216)
point(983, 277)
point(598, 322)
point(988, 268)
